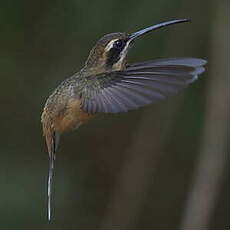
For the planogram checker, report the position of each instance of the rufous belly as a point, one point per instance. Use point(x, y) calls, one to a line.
point(72, 117)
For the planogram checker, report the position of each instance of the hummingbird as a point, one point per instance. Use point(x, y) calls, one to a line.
point(107, 84)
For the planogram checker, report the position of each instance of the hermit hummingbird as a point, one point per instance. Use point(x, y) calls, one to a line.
point(107, 84)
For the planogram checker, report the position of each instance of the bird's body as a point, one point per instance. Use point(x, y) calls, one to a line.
point(106, 84)
point(62, 111)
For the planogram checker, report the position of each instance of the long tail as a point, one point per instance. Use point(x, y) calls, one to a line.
point(52, 144)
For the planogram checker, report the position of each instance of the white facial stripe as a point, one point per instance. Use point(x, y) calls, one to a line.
point(122, 56)
point(125, 50)
point(110, 44)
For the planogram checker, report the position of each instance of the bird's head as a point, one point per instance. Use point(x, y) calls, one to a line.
point(110, 52)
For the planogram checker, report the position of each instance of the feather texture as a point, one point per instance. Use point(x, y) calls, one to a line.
point(139, 84)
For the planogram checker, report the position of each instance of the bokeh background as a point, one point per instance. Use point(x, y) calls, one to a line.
point(165, 166)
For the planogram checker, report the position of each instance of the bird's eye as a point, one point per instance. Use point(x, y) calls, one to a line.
point(118, 44)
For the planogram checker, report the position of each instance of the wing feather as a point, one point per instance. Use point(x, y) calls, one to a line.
point(140, 84)
point(192, 62)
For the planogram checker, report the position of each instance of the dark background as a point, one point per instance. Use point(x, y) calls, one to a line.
point(163, 167)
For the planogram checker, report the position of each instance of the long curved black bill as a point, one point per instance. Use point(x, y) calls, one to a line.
point(139, 33)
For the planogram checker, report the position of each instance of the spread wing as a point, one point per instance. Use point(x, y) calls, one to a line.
point(139, 84)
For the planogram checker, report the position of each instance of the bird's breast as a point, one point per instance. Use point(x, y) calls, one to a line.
point(72, 116)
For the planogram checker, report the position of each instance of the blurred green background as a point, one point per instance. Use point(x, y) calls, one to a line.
point(165, 166)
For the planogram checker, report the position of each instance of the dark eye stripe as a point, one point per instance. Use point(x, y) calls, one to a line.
point(113, 55)
point(119, 44)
